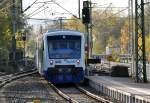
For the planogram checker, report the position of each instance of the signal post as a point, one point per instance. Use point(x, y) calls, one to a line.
point(86, 21)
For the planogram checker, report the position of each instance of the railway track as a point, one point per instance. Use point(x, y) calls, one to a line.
point(9, 78)
point(76, 94)
point(28, 89)
point(29, 86)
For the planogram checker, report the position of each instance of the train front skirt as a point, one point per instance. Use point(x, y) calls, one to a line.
point(59, 75)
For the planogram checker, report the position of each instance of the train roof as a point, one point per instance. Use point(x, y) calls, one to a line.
point(62, 32)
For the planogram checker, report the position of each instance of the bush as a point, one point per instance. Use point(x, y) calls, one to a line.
point(8, 69)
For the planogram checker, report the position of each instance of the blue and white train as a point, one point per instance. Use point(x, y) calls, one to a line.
point(62, 56)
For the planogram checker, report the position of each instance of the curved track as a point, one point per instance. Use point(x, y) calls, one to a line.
point(29, 86)
point(29, 89)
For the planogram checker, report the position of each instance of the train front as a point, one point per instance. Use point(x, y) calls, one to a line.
point(65, 51)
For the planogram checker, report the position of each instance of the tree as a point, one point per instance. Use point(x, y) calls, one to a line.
point(106, 25)
point(74, 24)
point(5, 29)
point(124, 38)
point(6, 24)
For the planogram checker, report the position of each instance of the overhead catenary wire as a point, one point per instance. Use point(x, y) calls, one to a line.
point(58, 13)
point(65, 9)
point(49, 19)
point(98, 6)
point(38, 12)
point(30, 6)
point(109, 6)
point(112, 7)
point(47, 2)
point(39, 19)
point(117, 13)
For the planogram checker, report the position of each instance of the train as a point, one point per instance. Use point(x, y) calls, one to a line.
point(61, 57)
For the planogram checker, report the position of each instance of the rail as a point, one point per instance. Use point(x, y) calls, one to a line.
point(11, 77)
point(93, 95)
point(62, 94)
point(85, 92)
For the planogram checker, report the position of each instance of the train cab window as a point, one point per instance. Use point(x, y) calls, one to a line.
point(63, 44)
point(54, 45)
point(71, 45)
point(78, 45)
point(64, 47)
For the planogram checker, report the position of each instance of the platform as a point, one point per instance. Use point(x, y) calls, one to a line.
point(121, 88)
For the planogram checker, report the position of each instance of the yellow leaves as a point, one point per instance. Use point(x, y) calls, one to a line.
point(124, 38)
point(19, 41)
point(20, 44)
point(4, 14)
point(7, 35)
point(19, 36)
point(74, 24)
point(111, 41)
point(97, 47)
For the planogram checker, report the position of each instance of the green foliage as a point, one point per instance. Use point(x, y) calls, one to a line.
point(107, 27)
point(97, 49)
point(111, 41)
point(74, 24)
point(6, 28)
point(124, 37)
point(30, 46)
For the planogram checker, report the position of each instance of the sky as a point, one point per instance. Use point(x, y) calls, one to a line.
point(63, 8)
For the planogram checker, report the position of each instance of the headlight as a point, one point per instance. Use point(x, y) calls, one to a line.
point(78, 61)
point(51, 62)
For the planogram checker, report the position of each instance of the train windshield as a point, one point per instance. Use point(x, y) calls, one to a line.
point(64, 46)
